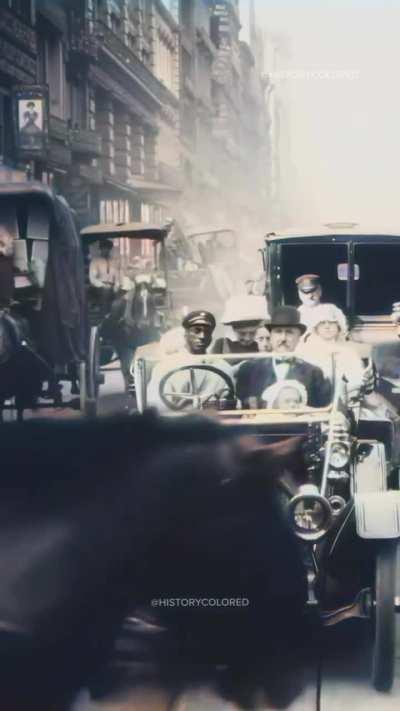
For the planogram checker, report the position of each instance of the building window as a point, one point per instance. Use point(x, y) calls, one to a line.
point(52, 72)
point(76, 105)
point(164, 60)
point(132, 42)
point(116, 24)
point(6, 132)
point(21, 8)
point(150, 154)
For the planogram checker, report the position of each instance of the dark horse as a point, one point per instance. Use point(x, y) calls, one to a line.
point(21, 368)
point(99, 518)
point(133, 321)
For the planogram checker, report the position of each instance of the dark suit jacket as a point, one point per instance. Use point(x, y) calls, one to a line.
point(254, 376)
point(225, 345)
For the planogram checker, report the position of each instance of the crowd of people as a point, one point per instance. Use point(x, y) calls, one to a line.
point(307, 344)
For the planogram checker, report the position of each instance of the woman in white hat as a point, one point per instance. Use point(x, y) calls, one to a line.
point(244, 314)
point(325, 338)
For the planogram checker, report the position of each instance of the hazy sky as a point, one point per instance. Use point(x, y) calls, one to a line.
point(344, 132)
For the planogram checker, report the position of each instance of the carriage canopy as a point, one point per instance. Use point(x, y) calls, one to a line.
point(43, 228)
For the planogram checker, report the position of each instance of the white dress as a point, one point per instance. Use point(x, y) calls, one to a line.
point(309, 314)
point(345, 360)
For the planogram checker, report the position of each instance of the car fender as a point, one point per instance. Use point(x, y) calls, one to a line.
point(378, 514)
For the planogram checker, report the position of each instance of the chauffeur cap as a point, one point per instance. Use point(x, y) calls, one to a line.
point(199, 318)
point(307, 283)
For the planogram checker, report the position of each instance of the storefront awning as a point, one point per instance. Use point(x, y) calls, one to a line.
point(123, 187)
point(152, 186)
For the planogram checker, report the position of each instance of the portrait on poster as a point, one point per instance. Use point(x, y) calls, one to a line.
point(31, 120)
point(30, 123)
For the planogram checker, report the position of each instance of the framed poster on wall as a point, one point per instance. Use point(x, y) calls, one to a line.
point(31, 120)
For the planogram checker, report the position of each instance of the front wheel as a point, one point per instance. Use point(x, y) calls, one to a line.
point(91, 376)
point(384, 616)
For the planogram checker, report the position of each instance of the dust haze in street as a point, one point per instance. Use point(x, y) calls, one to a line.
point(336, 71)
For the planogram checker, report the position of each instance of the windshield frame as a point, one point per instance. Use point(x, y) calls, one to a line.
point(139, 371)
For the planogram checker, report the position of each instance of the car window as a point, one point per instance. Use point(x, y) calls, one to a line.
point(322, 259)
point(379, 266)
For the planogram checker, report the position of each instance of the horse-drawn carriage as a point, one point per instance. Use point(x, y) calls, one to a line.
point(139, 307)
point(44, 331)
point(202, 275)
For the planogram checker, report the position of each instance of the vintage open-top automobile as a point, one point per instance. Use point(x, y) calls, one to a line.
point(346, 511)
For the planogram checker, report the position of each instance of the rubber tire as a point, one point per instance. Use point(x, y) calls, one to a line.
point(385, 616)
point(93, 375)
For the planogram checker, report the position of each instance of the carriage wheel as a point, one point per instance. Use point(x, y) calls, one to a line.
point(385, 616)
point(93, 376)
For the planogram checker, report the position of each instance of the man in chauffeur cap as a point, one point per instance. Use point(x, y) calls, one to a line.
point(198, 327)
point(309, 290)
point(198, 330)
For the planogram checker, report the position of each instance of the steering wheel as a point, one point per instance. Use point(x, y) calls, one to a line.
point(169, 398)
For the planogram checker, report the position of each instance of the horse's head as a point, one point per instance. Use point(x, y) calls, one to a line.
point(141, 509)
point(142, 300)
point(229, 545)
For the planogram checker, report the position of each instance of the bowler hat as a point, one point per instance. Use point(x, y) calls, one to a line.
point(307, 283)
point(199, 318)
point(286, 316)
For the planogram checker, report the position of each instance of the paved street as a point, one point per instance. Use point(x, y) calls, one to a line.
point(112, 400)
point(344, 685)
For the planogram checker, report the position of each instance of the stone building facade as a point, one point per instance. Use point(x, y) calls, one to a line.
point(156, 107)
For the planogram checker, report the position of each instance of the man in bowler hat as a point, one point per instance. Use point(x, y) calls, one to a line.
point(286, 330)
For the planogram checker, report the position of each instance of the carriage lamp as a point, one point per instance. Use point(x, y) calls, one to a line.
point(310, 514)
point(337, 503)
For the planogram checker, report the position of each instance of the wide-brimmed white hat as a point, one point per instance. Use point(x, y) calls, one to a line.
point(326, 312)
point(245, 308)
point(270, 394)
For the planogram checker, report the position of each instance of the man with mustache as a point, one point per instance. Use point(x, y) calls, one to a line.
point(255, 376)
